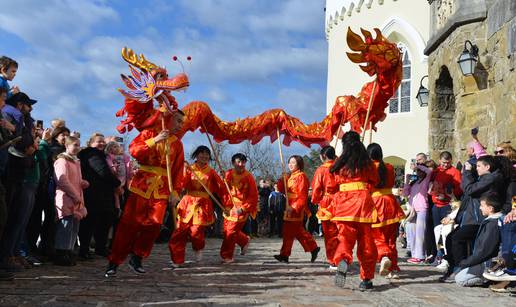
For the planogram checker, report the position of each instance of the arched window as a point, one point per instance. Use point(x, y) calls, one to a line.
point(400, 102)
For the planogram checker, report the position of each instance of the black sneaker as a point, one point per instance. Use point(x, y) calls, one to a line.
point(6, 276)
point(314, 253)
point(366, 284)
point(135, 263)
point(281, 258)
point(340, 275)
point(111, 270)
point(86, 256)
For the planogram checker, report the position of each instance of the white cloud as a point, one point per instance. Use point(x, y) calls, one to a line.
point(71, 62)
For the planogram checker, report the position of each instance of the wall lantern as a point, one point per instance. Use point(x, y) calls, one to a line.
point(422, 93)
point(468, 59)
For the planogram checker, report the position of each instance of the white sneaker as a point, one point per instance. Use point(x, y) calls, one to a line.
point(332, 267)
point(385, 265)
point(443, 267)
point(499, 275)
point(244, 249)
point(174, 265)
point(228, 261)
point(198, 256)
point(392, 275)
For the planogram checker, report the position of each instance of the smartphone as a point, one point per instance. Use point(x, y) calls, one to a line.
point(39, 124)
point(413, 161)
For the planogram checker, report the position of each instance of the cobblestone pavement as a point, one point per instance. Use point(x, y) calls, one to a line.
point(254, 279)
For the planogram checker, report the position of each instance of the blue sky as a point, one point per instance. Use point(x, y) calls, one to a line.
point(248, 56)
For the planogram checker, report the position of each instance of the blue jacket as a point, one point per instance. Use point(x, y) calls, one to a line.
point(5, 84)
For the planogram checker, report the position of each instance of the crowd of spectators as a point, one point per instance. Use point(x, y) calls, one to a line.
point(52, 190)
point(462, 219)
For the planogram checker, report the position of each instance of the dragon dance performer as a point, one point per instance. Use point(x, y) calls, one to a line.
point(297, 195)
point(354, 210)
point(195, 210)
point(389, 212)
point(244, 194)
point(323, 188)
point(147, 203)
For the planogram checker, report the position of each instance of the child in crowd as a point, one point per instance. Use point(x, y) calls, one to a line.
point(120, 165)
point(69, 201)
point(8, 69)
point(474, 148)
point(416, 189)
point(447, 225)
point(486, 246)
point(57, 123)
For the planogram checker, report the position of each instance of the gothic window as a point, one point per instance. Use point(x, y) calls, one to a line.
point(400, 101)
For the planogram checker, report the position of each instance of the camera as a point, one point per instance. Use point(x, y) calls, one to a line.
point(413, 177)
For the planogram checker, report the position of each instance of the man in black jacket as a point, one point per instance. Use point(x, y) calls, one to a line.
point(487, 243)
point(99, 197)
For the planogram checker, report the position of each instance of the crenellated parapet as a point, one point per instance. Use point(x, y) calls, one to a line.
point(338, 10)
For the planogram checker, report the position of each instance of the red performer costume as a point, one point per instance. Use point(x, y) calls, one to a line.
point(385, 231)
point(195, 211)
point(293, 228)
point(147, 203)
point(245, 199)
point(354, 210)
point(323, 188)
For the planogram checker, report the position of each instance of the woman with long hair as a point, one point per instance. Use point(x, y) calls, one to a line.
point(385, 231)
point(323, 188)
point(195, 210)
point(354, 210)
point(297, 206)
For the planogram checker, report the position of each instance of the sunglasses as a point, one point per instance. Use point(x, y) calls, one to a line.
point(498, 152)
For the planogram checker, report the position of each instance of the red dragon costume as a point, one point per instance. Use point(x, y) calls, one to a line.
point(195, 211)
point(389, 212)
point(293, 228)
point(244, 194)
point(149, 189)
point(323, 188)
point(150, 83)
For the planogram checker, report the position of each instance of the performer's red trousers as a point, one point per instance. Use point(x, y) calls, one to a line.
point(331, 240)
point(139, 227)
point(185, 232)
point(295, 230)
point(233, 234)
point(385, 240)
point(349, 233)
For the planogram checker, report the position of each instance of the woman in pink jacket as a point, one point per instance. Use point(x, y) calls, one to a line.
point(69, 201)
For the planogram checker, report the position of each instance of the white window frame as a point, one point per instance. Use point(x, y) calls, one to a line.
point(405, 52)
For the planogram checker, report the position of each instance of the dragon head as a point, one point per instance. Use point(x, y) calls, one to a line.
point(378, 53)
point(149, 81)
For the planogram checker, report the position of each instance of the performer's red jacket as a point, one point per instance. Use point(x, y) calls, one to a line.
point(297, 194)
point(352, 202)
point(244, 194)
point(323, 188)
point(196, 205)
point(150, 180)
point(387, 207)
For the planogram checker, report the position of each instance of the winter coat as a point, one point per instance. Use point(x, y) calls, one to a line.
point(469, 212)
point(69, 185)
point(99, 196)
point(487, 242)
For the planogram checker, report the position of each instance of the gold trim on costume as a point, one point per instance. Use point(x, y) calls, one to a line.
point(352, 186)
point(381, 192)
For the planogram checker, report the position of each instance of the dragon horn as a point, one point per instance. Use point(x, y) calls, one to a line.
point(379, 35)
point(141, 62)
point(366, 33)
point(355, 42)
point(356, 57)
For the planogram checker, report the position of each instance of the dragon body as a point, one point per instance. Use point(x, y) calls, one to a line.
point(381, 58)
